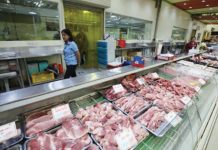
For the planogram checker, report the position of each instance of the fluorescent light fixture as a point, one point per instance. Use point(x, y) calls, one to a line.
point(113, 16)
point(32, 13)
point(85, 11)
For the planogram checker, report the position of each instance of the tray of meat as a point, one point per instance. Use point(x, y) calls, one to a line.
point(112, 95)
point(154, 121)
point(71, 135)
point(105, 122)
point(41, 120)
point(15, 137)
point(111, 139)
point(133, 85)
point(132, 105)
point(15, 147)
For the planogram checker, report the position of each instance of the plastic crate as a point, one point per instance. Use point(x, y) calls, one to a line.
point(32, 67)
point(42, 77)
point(43, 65)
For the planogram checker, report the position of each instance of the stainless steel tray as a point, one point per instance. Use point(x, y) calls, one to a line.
point(15, 147)
point(163, 128)
point(13, 141)
point(42, 109)
point(143, 109)
point(52, 131)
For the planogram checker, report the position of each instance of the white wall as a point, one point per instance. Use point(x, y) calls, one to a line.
point(172, 16)
point(209, 27)
point(201, 27)
point(142, 9)
point(169, 16)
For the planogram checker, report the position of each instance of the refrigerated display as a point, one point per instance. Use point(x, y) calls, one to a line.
point(175, 118)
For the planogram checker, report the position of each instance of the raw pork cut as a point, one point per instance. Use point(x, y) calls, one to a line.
point(131, 104)
point(111, 95)
point(41, 121)
point(152, 118)
point(105, 123)
point(64, 138)
point(131, 84)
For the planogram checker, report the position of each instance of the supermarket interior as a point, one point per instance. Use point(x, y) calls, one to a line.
point(108, 74)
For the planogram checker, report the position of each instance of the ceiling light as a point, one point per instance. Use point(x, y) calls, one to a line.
point(32, 13)
point(113, 16)
point(85, 11)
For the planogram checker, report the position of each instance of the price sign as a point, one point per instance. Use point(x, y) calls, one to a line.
point(202, 81)
point(197, 88)
point(118, 88)
point(60, 112)
point(170, 116)
point(141, 81)
point(126, 139)
point(186, 100)
point(8, 131)
point(155, 75)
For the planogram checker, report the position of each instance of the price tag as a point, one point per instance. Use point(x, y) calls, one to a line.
point(60, 112)
point(186, 100)
point(176, 121)
point(125, 139)
point(197, 88)
point(155, 75)
point(141, 81)
point(118, 88)
point(202, 81)
point(170, 116)
point(8, 131)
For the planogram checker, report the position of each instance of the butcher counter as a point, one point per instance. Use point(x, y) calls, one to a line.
point(191, 133)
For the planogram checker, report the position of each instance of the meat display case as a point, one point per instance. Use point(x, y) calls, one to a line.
point(191, 133)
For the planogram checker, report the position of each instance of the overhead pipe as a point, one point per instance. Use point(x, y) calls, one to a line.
point(158, 6)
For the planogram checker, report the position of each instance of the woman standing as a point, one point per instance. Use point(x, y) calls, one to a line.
point(71, 54)
point(191, 44)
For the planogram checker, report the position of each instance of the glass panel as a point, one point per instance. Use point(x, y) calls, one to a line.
point(128, 28)
point(178, 33)
point(87, 27)
point(29, 20)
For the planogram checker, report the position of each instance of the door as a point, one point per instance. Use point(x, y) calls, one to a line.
point(86, 25)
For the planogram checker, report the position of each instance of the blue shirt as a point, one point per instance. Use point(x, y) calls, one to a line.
point(70, 49)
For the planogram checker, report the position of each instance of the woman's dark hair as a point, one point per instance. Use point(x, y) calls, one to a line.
point(68, 32)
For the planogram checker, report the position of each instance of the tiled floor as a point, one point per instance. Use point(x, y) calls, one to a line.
point(213, 142)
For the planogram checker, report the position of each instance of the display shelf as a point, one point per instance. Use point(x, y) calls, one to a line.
point(185, 134)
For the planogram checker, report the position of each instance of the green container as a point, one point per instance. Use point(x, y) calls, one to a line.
point(32, 67)
point(43, 65)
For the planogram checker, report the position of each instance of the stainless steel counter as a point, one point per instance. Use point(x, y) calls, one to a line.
point(26, 96)
point(29, 52)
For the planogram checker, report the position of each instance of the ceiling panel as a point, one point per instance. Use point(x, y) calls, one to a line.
point(196, 4)
point(202, 10)
point(176, 1)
